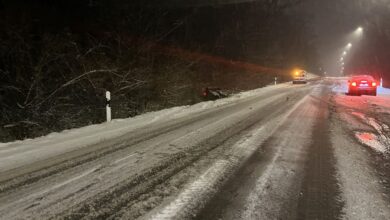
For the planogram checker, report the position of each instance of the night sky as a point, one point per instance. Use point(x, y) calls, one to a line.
point(334, 22)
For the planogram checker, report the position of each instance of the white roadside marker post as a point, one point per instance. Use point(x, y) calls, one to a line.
point(276, 80)
point(108, 107)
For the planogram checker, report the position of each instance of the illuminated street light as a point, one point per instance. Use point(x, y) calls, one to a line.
point(355, 36)
point(359, 31)
point(349, 46)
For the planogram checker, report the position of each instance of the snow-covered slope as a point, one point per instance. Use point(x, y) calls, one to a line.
point(67, 140)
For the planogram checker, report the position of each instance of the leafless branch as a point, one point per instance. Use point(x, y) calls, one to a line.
point(72, 81)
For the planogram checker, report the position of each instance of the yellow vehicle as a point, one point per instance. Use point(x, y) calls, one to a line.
point(300, 77)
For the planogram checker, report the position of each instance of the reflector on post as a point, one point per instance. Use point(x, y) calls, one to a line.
point(108, 107)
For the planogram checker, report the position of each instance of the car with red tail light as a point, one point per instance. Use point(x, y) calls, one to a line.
point(362, 85)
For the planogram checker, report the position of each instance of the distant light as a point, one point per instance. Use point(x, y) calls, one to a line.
point(345, 53)
point(359, 31)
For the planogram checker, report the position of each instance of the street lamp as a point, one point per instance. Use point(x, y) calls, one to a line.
point(359, 31)
point(349, 46)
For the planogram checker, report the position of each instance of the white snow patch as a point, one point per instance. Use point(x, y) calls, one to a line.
point(359, 115)
point(375, 124)
point(311, 76)
point(124, 158)
point(379, 143)
point(371, 140)
point(383, 91)
point(201, 188)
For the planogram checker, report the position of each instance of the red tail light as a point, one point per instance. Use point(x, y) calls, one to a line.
point(354, 84)
point(205, 94)
point(373, 84)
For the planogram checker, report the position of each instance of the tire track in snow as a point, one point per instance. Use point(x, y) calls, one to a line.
point(320, 194)
point(274, 190)
point(196, 195)
point(188, 201)
point(47, 190)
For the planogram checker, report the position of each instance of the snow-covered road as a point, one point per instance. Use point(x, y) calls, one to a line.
point(279, 152)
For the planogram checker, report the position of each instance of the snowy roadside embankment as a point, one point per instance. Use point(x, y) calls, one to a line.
point(311, 76)
point(73, 139)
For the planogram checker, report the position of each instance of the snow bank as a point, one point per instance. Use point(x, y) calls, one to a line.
point(383, 91)
point(95, 133)
point(311, 76)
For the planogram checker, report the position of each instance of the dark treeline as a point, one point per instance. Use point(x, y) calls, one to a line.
point(57, 58)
